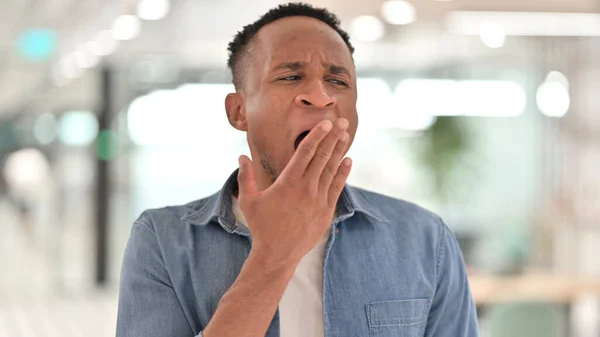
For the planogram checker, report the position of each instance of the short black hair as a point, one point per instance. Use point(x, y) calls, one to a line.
point(238, 47)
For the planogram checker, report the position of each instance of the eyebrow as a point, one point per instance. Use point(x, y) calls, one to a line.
point(293, 66)
point(338, 70)
point(298, 65)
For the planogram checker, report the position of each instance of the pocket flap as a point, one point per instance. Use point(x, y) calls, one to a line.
point(397, 312)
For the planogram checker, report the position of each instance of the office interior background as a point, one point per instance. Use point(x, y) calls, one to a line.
point(484, 111)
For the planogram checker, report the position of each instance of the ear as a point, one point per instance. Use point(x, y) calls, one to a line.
point(236, 114)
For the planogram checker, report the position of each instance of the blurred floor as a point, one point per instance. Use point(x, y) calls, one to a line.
point(24, 266)
point(58, 317)
point(43, 290)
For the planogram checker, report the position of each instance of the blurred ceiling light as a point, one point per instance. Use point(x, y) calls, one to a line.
point(25, 167)
point(44, 129)
point(557, 76)
point(149, 125)
point(552, 96)
point(412, 122)
point(104, 44)
point(492, 34)
point(526, 23)
point(373, 101)
point(367, 28)
point(78, 128)
point(377, 110)
point(398, 12)
point(490, 98)
point(84, 58)
point(460, 98)
point(68, 68)
point(153, 9)
point(126, 27)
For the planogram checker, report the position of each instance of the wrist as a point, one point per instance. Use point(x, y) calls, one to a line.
point(271, 263)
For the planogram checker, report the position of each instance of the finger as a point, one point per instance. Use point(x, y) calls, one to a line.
point(325, 150)
point(339, 181)
point(246, 178)
point(296, 168)
point(331, 168)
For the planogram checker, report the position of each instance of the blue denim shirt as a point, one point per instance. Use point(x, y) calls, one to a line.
point(390, 269)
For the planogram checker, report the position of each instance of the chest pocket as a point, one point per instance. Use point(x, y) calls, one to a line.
point(403, 318)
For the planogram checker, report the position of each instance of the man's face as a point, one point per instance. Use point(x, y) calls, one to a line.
point(300, 72)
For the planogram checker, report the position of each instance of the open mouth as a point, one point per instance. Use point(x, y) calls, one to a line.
point(300, 138)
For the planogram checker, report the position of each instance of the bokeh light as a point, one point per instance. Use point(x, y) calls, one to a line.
point(492, 34)
point(367, 28)
point(78, 128)
point(126, 27)
point(45, 128)
point(398, 12)
point(553, 99)
point(153, 9)
point(25, 168)
point(37, 44)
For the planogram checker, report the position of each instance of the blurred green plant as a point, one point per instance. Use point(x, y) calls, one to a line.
point(445, 149)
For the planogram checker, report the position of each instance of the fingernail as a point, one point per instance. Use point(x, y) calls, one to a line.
point(326, 126)
point(348, 162)
point(344, 123)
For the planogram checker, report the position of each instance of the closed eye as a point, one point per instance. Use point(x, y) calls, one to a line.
point(338, 82)
point(291, 78)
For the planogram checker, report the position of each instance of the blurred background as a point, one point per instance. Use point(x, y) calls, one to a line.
point(484, 111)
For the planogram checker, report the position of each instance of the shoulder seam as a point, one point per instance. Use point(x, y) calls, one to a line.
point(145, 223)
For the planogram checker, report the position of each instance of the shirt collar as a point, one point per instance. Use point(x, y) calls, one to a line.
point(219, 206)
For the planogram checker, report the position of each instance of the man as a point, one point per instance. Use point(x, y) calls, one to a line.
point(286, 248)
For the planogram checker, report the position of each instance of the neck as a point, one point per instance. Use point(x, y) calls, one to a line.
point(263, 178)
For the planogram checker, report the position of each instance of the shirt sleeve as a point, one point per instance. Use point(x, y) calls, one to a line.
point(148, 305)
point(453, 311)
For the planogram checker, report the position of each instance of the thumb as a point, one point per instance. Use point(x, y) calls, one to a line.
point(246, 179)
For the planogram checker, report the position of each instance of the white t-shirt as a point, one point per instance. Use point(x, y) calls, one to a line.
point(301, 307)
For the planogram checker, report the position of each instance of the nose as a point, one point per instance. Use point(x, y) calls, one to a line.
point(316, 96)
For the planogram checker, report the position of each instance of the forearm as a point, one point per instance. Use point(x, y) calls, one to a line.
point(248, 307)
